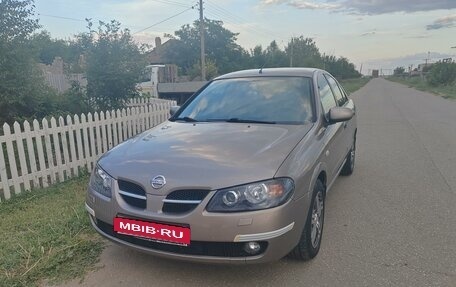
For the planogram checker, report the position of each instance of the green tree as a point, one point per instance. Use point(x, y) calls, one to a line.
point(399, 71)
point(442, 74)
point(114, 64)
point(275, 57)
point(221, 47)
point(23, 91)
point(304, 53)
point(257, 57)
point(341, 68)
point(195, 72)
point(46, 49)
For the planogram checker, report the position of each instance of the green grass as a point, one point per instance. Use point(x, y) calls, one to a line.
point(46, 236)
point(448, 91)
point(352, 85)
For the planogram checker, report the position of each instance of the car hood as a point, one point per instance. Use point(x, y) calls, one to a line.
point(203, 155)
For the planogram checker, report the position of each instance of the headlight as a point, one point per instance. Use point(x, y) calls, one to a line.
point(101, 182)
point(254, 196)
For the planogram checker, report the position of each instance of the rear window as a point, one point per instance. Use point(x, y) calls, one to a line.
point(283, 100)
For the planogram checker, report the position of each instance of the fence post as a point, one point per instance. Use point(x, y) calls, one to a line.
point(11, 158)
point(31, 154)
point(54, 130)
point(3, 173)
point(49, 154)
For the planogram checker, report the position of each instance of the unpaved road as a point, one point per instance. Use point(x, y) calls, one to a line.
point(392, 223)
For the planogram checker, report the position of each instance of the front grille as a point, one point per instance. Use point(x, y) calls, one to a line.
point(201, 248)
point(191, 194)
point(183, 201)
point(133, 194)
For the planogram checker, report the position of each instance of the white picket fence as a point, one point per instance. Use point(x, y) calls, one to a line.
point(143, 101)
point(38, 155)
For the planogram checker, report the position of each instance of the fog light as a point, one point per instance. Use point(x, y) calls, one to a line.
point(252, 248)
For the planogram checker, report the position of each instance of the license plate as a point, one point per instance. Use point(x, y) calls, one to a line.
point(153, 231)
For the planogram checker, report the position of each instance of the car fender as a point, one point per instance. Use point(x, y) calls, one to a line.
point(321, 166)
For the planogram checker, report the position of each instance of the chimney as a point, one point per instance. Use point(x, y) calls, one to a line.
point(158, 42)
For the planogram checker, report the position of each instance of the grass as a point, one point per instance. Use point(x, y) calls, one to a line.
point(352, 85)
point(446, 91)
point(46, 236)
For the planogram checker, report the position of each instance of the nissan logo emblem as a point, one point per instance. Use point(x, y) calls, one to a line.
point(158, 182)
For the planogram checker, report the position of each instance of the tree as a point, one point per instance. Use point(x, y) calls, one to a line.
point(304, 52)
point(341, 68)
point(271, 57)
point(114, 64)
point(399, 71)
point(221, 47)
point(275, 57)
point(23, 91)
point(47, 48)
point(442, 74)
point(211, 71)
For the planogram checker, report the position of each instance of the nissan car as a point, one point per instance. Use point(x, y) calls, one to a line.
point(238, 174)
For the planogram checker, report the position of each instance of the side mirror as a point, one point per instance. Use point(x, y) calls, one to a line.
point(340, 114)
point(173, 110)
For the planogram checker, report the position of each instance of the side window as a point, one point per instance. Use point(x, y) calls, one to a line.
point(326, 95)
point(340, 97)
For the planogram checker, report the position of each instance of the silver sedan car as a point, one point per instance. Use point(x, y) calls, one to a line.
point(238, 174)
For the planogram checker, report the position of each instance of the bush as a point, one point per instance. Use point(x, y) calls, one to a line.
point(442, 74)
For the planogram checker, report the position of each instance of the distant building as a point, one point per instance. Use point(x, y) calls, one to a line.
point(169, 85)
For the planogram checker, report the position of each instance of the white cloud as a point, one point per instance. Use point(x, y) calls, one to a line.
point(444, 22)
point(368, 7)
point(301, 4)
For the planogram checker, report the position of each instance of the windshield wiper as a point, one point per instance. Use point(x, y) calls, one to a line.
point(238, 120)
point(186, 119)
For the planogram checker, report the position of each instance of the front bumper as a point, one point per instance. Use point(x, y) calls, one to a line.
point(277, 230)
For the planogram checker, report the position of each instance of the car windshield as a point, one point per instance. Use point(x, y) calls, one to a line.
point(267, 100)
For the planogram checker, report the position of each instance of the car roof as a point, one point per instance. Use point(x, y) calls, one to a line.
point(270, 72)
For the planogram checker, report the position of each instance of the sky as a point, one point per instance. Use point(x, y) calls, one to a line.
point(374, 34)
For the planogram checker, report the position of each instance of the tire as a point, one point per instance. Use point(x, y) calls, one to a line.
point(310, 241)
point(349, 165)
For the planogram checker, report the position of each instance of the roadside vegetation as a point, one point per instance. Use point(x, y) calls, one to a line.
point(46, 236)
point(352, 85)
point(440, 80)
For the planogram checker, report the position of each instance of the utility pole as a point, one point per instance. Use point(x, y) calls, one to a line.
point(203, 53)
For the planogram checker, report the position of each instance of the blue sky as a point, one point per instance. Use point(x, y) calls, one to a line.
point(375, 33)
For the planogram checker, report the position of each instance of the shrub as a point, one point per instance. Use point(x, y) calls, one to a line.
point(442, 74)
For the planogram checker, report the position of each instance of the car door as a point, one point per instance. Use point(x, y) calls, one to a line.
point(333, 134)
point(346, 139)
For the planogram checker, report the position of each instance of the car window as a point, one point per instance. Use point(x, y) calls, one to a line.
point(340, 98)
point(326, 95)
point(283, 100)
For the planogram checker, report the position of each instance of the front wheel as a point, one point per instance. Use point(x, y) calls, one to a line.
point(310, 241)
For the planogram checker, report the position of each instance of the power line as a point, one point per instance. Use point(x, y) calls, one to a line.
point(242, 21)
point(164, 20)
point(61, 17)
